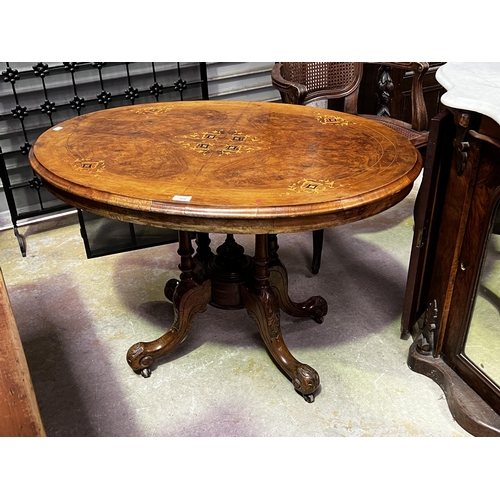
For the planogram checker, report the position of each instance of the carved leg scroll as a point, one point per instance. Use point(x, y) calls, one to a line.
point(263, 307)
point(189, 297)
point(315, 307)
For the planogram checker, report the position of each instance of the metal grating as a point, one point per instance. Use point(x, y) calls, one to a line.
point(36, 96)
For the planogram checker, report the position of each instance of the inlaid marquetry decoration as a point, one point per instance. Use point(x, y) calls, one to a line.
point(333, 120)
point(91, 166)
point(309, 186)
point(220, 142)
point(153, 110)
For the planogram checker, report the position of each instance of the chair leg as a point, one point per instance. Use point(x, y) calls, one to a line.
point(317, 249)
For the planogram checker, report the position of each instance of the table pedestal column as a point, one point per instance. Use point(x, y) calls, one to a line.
point(232, 280)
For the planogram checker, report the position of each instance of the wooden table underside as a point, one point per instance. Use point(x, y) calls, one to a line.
point(233, 168)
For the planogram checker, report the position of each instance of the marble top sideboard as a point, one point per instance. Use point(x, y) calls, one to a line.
point(471, 86)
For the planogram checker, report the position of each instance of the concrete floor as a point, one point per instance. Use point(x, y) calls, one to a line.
point(77, 318)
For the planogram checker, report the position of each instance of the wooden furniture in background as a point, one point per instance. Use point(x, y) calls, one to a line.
point(306, 82)
point(455, 218)
point(387, 91)
point(19, 413)
point(233, 168)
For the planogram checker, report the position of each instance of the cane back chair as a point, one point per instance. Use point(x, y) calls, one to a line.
point(306, 82)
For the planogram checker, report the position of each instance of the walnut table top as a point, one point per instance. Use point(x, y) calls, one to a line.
point(226, 166)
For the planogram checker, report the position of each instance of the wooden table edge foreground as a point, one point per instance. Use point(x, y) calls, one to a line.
point(19, 412)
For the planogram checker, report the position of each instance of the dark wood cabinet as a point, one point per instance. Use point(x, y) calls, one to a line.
point(387, 91)
point(452, 303)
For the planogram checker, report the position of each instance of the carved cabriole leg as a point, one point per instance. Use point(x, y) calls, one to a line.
point(315, 307)
point(263, 307)
point(189, 297)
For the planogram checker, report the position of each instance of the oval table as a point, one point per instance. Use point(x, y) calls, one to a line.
point(233, 168)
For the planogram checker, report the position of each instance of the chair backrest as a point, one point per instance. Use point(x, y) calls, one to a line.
point(303, 82)
point(321, 80)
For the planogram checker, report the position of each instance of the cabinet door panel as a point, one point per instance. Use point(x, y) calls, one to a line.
point(427, 214)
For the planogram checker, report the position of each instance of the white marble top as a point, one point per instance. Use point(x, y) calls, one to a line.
point(472, 87)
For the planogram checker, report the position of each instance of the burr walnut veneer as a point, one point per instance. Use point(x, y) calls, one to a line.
point(233, 168)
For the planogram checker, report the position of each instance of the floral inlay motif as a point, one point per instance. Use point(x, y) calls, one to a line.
point(310, 186)
point(220, 142)
point(333, 120)
point(90, 166)
point(153, 110)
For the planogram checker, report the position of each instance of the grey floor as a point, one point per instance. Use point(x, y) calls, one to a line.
point(77, 318)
